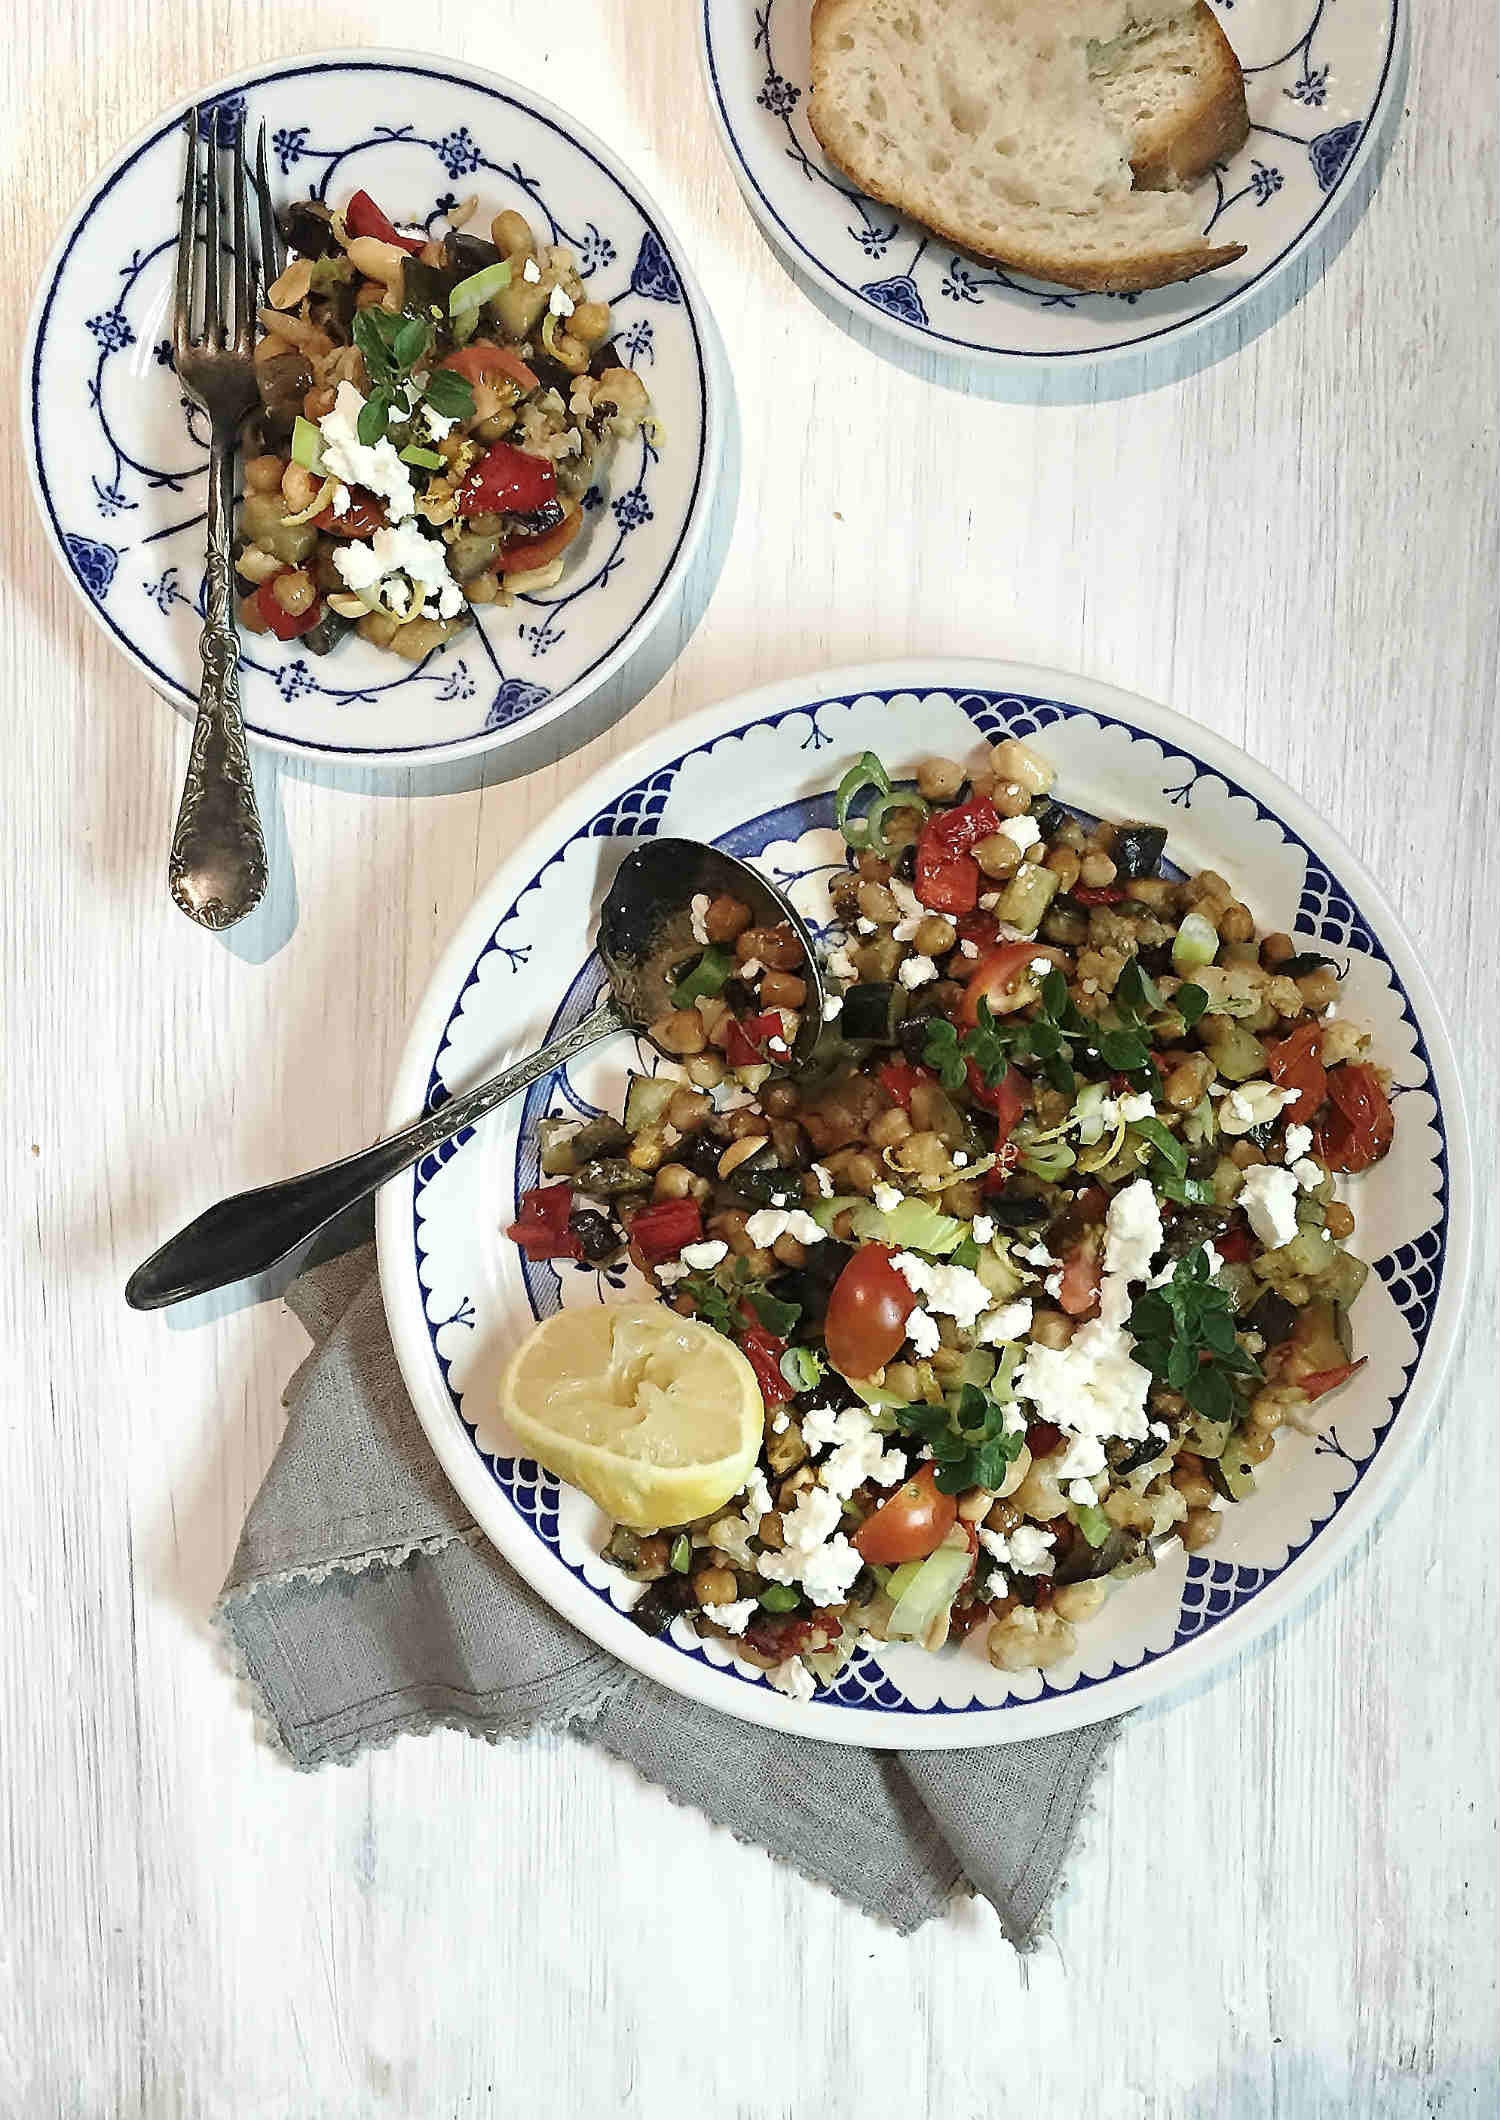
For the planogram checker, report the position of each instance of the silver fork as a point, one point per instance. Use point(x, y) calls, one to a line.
point(217, 868)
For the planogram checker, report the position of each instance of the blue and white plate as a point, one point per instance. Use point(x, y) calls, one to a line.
point(754, 776)
point(118, 455)
point(1320, 76)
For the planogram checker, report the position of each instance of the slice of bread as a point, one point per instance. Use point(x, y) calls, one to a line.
point(1051, 136)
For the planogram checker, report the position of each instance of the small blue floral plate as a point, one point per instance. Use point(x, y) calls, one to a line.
point(118, 455)
point(1319, 76)
point(756, 777)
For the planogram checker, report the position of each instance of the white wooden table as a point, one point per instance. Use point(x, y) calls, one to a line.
point(1286, 1901)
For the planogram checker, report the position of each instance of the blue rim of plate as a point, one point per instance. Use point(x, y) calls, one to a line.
point(862, 304)
point(1413, 1274)
point(546, 113)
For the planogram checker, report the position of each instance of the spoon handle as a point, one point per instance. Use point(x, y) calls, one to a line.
point(247, 1234)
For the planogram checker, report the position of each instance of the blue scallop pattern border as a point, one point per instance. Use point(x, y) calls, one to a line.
point(1213, 1589)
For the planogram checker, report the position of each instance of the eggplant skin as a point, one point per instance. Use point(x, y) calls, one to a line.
point(1138, 850)
point(308, 229)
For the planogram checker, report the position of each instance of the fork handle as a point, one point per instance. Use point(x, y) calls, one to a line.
point(217, 868)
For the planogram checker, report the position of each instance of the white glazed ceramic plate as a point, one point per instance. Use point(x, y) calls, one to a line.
point(118, 454)
point(755, 776)
point(1319, 75)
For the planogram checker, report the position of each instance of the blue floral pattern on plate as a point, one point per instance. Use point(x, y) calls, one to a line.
point(1210, 1589)
point(119, 453)
point(1270, 197)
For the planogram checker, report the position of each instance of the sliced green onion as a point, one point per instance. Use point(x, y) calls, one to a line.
point(307, 445)
point(1166, 1144)
point(476, 290)
point(1092, 1522)
point(1196, 942)
point(463, 327)
point(802, 1367)
point(929, 1594)
point(549, 333)
point(314, 507)
point(885, 806)
point(426, 459)
point(780, 1597)
point(682, 1553)
point(867, 772)
point(707, 977)
point(1047, 1160)
point(1088, 1113)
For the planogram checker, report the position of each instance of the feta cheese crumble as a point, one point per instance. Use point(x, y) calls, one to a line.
point(841, 965)
point(769, 1223)
point(887, 1197)
point(702, 1257)
point(1012, 1321)
point(952, 1291)
point(375, 466)
point(1132, 1231)
point(794, 1678)
point(833, 1007)
point(1022, 832)
point(698, 911)
point(824, 1180)
point(531, 271)
point(733, 1618)
point(401, 549)
point(560, 304)
point(1308, 1174)
point(982, 1229)
point(1269, 1198)
point(922, 1331)
point(816, 1554)
point(916, 971)
point(1298, 1141)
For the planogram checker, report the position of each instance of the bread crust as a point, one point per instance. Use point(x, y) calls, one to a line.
point(1171, 157)
point(1137, 274)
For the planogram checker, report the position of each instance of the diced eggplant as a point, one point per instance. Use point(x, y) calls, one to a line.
point(1273, 1318)
point(1138, 850)
point(1049, 818)
point(609, 1177)
point(603, 1136)
point(646, 1101)
point(1008, 1212)
point(1192, 1226)
point(1083, 1562)
point(325, 636)
point(470, 553)
point(283, 382)
point(606, 356)
point(1155, 958)
point(1135, 1455)
point(466, 254)
point(654, 1613)
point(1305, 961)
point(1232, 1472)
point(551, 374)
point(307, 227)
point(1343, 1279)
point(739, 997)
point(600, 1239)
point(425, 288)
point(874, 1011)
point(766, 1181)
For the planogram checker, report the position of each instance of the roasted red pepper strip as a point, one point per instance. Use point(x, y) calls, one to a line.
point(1007, 1098)
point(541, 1229)
point(1235, 1246)
point(1324, 1380)
point(362, 217)
point(507, 481)
point(529, 552)
point(746, 1039)
point(898, 1078)
point(947, 876)
point(1099, 894)
point(284, 624)
point(763, 1351)
point(1358, 1130)
point(660, 1231)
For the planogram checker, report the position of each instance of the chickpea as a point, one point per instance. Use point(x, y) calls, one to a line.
point(745, 1122)
point(590, 322)
point(1039, 1496)
point(1191, 1481)
point(715, 1586)
point(902, 827)
point(623, 388)
point(1236, 923)
point(873, 868)
point(783, 990)
point(297, 488)
point(962, 1199)
point(674, 1181)
point(887, 1128)
point(939, 779)
point(263, 474)
point(777, 948)
point(1256, 1446)
point(860, 1172)
point(379, 628)
point(786, 1251)
point(760, 1264)
point(1245, 1155)
point(1016, 1473)
point(1266, 1413)
point(1011, 799)
point(935, 936)
point(1199, 1528)
point(876, 903)
point(1005, 1516)
point(1276, 948)
point(1319, 987)
point(1051, 1328)
point(679, 1031)
point(726, 918)
point(998, 856)
point(318, 403)
point(1339, 1220)
point(294, 591)
point(1080, 1601)
point(706, 1070)
point(739, 1152)
point(1187, 1082)
point(511, 235)
point(729, 1225)
point(1065, 865)
point(975, 1505)
point(924, 1154)
point(1097, 871)
point(1013, 760)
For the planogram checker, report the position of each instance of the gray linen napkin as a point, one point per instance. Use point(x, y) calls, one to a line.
point(364, 1603)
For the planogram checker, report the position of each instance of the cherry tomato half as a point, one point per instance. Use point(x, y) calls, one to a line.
point(998, 972)
point(867, 1313)
point(912, 1524)
point(1078, 1290)
point(482, 357)
point(1358, 1131)
point(1296, 1063)
point(507, 481)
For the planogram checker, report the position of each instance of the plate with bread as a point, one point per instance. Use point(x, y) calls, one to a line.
point(1048, 180)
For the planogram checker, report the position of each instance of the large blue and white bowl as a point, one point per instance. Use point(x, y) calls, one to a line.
point(754, 776)
point(1322, 79)
point(118, 453)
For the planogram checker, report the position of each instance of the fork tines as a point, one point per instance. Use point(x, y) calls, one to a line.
point(199, 317)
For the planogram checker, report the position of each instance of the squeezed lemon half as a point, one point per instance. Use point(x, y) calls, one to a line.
point(655, 1416)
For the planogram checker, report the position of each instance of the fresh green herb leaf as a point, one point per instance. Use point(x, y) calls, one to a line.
point(1166, 1144)
point(1123, 1050)
point(776, 1316)
point(965, 1254)
point(802, 1367)
point(372, 343)
point(971, 1440)
point(1055, 995)
point(411, 342)
point(940, 1052)
point(1135, 993)
point(374, 414)
point(450, 394)
point(1190, 1002)
point(780, 1597)
point(1209, 1392)
point(711, 1302)
point(1187, 1192)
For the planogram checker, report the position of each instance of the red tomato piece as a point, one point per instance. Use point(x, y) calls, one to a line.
point(1296, 1063)
point(528, 552)
point(912, 1524)
point(1359, 1129)
point(1078, 1291)
point(1007, 1098)
point(362, 217)
point(482, 357)
point(898, 1078)
point(286, 625)
point(791, 1634)
point(1235, 1246)
point(1042, 1438)
point(541, 1228)
point(763, 1351)
point(947, 877)
point(867, 1313)
point(364, 515)
point(997, 972)
point(660, 1231)
point(1325, 1380)
point(747, 1039)
point(507, 481)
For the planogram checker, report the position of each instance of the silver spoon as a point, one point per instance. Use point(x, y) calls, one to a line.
point(645, 928)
